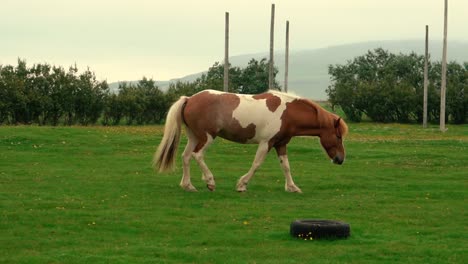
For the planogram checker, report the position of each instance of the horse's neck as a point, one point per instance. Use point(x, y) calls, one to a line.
point(308, 131)
point(310, 120)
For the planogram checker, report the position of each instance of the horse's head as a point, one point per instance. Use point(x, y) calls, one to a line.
point(332, 140)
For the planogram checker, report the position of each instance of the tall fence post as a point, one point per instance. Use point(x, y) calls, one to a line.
point(425, 78)
point(226, 53)
point(286, 59)
point(444, 73)
point(272, 27)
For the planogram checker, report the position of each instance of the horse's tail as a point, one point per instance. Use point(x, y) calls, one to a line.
point(164, 157)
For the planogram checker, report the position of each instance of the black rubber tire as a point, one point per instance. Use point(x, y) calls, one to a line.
point(309, 229)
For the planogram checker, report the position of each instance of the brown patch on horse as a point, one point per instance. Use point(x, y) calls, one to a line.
point(211, 113)
point(295, 120)
point(237, 133)
point(272, 101)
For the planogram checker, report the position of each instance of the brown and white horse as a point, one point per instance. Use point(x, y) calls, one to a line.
point(269, 119)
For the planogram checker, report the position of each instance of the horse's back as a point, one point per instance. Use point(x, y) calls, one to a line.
point(237, 117)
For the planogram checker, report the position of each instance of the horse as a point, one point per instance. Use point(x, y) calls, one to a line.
point(268, 119)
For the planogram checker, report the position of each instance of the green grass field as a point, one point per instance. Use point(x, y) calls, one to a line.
point(89, 195)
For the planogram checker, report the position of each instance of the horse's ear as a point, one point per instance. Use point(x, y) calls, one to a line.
point(337, 122)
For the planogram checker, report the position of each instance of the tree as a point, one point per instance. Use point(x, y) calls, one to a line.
point(457, 84)
point(254, 78)
point(39, 92)
point(58, 88)
point(344, 89)
point(113, 111)
point(140, 103)
point(152, 101)
point(127, 94)
point(89, 98)
point(250, 80)
point(214, 78)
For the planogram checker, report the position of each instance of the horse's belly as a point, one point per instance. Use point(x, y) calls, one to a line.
point(257, 117)
point(254, 132)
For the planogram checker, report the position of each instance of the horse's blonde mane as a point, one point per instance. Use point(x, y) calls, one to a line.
point(284, 94)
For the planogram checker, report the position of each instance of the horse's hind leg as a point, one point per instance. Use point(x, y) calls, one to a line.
point(262, 151)
point(185, 183)
point(198, 154)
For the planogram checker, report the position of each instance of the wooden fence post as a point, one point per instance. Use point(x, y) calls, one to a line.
point(226, 53)
point(272, 27)
point(286, 59)
point(444, 73)
point(425, 78)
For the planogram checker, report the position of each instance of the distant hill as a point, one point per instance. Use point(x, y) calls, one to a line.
point(308, 69)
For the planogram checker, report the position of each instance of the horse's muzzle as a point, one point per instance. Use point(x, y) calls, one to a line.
point(338, 160)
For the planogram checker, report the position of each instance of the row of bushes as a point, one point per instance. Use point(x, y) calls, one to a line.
point(50, 95)
point(46, 94)
point(389, 88)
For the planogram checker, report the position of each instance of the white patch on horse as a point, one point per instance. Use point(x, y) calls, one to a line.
point(255, 111)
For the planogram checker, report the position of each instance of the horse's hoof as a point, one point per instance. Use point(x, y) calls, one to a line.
point(189, 188)
point(211, 187)
point(293, 189)
point(241, 187)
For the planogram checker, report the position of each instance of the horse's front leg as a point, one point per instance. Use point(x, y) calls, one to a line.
point(262, 151)
point(289, 185)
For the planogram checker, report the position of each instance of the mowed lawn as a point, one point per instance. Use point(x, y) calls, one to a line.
point(89, 195)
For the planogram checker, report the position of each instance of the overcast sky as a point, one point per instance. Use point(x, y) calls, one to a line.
point(164, 39)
